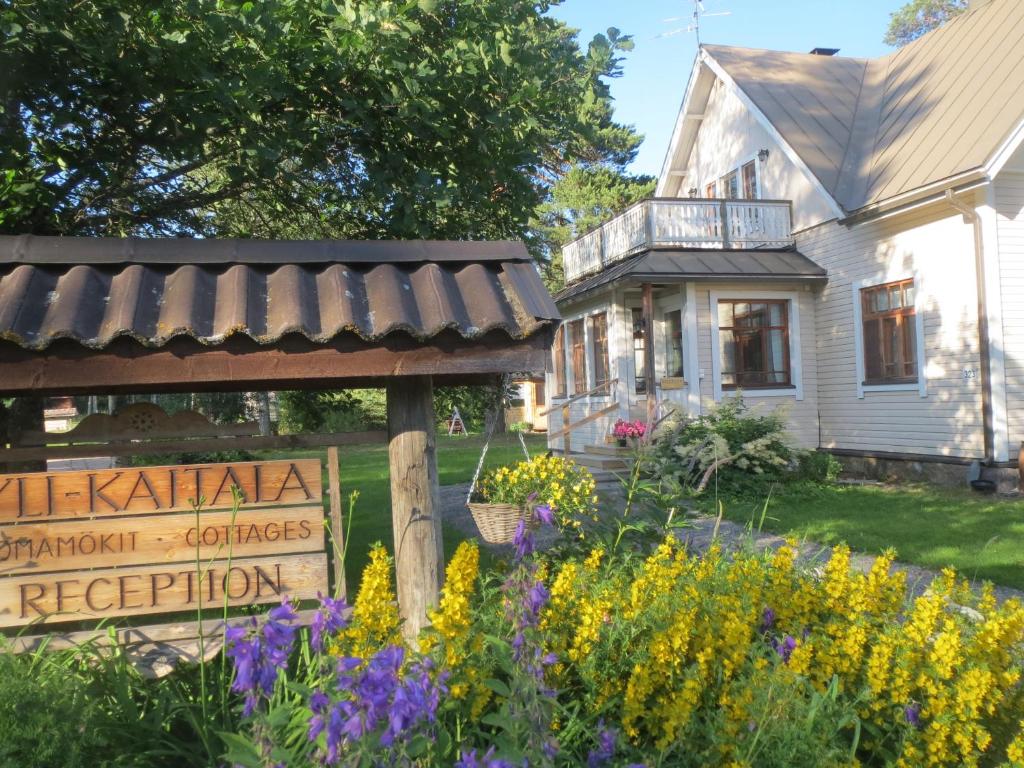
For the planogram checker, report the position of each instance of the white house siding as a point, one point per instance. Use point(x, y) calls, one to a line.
point(937, 248)
point(730, 136)
point(802, 415)
point(1009, 203)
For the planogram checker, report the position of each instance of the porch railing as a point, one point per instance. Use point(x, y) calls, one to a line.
point(680, 223)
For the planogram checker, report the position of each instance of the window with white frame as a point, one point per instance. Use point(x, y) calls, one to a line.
point(599, 347)
point(756, 343)
point(578, 355)
point(889, 333)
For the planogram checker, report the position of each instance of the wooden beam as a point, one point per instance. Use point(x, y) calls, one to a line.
point(648, 318)
point(240, 364)
point(415, 507)
point(202, 445)
point(337, 541)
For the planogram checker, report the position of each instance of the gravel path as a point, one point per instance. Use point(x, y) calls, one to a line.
point(699, 537)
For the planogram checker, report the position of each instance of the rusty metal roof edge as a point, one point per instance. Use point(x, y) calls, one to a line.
point(40, 344)
point(42, 250)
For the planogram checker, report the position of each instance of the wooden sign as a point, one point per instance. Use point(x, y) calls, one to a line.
point(149, 490)
point(124, 542)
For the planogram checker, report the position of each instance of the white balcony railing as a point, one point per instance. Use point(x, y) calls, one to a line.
point(689, 223)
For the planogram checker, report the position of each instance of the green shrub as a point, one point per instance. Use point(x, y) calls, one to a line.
point(818, 467)
point(738, 447)
point(46, 718)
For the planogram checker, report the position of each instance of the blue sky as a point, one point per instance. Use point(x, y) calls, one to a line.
point(649, 92)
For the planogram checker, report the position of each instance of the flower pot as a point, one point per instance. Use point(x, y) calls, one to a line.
point(497, 523)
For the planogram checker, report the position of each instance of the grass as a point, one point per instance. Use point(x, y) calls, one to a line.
point(364, 468)
point(981, 536)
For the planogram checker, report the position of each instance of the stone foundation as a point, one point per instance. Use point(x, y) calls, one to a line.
point(931, 472)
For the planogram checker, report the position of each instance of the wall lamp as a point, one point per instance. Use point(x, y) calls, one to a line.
point(762, 155)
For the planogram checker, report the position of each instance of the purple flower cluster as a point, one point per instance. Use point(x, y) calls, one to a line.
point(376, 696)
point(258, 653)
point(468, 759)
point(767, 620)
point(912, 713)
point(329, 619)
point(604, 752)
point(785, 647)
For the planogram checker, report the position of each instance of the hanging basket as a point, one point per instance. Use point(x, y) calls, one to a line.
point(498, 522)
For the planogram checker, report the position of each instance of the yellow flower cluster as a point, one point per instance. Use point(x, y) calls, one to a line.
point(374, 621)
point(451, 620)
point(552, 480)
point(684, 633)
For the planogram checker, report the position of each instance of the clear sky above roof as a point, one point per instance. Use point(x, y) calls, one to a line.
point(651, 89)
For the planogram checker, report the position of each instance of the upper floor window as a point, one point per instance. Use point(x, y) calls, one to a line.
point(599, 346)
point(709, 190)
point(578, 349)
point(558, 355)
point(754, 343)
point(749, 173)
point(890, 333)
point(729, 186)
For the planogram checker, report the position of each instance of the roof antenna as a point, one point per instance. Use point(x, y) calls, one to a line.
point(699, 12)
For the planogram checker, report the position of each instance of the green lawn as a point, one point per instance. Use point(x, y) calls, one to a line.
point(364, 468)
point(981, 536)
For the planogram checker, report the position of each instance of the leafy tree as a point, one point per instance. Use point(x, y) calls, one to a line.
point(918, 17)
point(357, 118)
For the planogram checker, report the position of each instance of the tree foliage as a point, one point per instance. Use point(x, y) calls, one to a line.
point(337, 118)
point(918, 17)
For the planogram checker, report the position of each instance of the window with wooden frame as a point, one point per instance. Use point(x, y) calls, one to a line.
point(558, 359)
point(709, 190)
point(578, 352)
point(599, 346)
point(890, 333)
point(639, 352)
point(754, 343)
point(674, 343)
point(748, 172)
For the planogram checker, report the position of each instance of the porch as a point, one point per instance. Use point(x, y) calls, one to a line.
point(704, 223)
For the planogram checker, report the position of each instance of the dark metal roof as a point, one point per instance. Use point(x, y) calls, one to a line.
point(95, 290)
point(673, 265)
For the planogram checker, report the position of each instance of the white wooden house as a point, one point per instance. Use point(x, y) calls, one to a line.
point(844, 237)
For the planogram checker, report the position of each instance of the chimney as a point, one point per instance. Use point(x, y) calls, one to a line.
point(824, 51)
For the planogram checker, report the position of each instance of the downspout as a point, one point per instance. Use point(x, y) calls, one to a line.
point(984, 352)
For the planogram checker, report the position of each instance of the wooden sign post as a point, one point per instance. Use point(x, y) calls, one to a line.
point(127, 542)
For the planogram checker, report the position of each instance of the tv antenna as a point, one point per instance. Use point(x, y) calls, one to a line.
point(699, 12)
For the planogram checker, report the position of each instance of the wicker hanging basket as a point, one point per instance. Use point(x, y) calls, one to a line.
point(497, 522)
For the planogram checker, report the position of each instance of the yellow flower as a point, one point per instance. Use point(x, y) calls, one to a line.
point(374, 621)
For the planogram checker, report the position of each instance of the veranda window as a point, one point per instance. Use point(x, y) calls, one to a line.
point(558, 355)
point(639, 353)
point(674, 343)
point(890, 333)
point(599, 345)
point(709, 190)
point(577, 346)
point(729, 184)
point(754, 343)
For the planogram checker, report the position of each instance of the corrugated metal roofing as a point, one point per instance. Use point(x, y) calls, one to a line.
point(665, 265)
point(869, 130)
point(96, 290)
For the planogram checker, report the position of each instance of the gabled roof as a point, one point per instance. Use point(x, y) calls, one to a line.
point(94, 291)
point(669, 265)
point(941, 108)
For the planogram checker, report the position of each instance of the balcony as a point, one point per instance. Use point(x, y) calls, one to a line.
point(679, 223)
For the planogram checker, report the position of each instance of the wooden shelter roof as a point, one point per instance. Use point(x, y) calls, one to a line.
point(193, 314)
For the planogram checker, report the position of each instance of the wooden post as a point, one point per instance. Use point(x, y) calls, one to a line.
point(337, 532)
point(652, 388)
point(415, 509)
